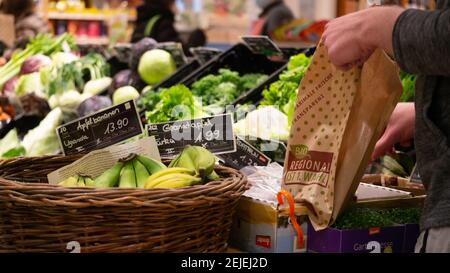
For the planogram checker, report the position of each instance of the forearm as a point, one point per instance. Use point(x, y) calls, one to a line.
point(379, 32)
point(421, 42)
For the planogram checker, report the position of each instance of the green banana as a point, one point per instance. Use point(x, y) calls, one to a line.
point(152, 165)
point(196, 158)
point(184, 160)
point(213, 176)
point(89, 182)
point(141, 173)
point(174, 162)
point(128, 176)
point(110, 178)
point(204, 159)
point(69, 182)
point(171, 177)
point(80, 182)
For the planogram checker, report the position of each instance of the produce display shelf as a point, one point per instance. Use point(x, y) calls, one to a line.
point(84, 40)
point(83, 16)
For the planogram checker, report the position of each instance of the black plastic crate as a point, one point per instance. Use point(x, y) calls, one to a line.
point(255, 95)
point(239, 58)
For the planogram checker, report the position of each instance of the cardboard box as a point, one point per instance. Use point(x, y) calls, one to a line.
point(258, 227)
point(397, 239)
point(263, 227)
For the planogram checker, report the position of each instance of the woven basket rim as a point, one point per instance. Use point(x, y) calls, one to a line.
point(234, 181)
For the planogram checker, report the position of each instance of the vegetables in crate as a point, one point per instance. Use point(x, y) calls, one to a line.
point(362, 218)
point(40, 141)
point(171, 104)
point(266, 123)
point(43, 140)
point(222, 89)
point(283, 93)
point(42, 44)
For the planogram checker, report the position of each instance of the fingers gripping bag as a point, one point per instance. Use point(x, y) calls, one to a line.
point(338, 118)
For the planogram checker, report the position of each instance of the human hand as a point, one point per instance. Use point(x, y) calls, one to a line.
point(350, 40)
point(400, 129)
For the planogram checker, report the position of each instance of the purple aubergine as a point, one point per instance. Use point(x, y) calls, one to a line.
point(34, 64)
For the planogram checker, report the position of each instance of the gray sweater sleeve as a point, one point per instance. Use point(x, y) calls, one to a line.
point(421, 41)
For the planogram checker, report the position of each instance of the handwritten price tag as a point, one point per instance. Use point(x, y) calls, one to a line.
point(213, 133)
point(245, 155)
point(102, 129)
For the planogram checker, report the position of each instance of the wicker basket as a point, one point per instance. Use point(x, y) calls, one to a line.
point(38, 217)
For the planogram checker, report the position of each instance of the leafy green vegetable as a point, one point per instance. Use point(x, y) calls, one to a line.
point(279, 94)
point(9, 143)
point(403, 215)
point(222, 89)
point(149, 100)
point(43, 140)
point(283, 93)
point(300, 60)
point(16, 152)
point(250, 81)
point(409, 83)
point(175, 103)
point(362, 218)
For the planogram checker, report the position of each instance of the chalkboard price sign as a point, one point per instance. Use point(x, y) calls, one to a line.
point(205, 54)
point(99, 130)
point(245, 155)
point(212, 133)
point(262, 45)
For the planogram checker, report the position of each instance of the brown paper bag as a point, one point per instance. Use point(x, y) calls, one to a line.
point(339, 117)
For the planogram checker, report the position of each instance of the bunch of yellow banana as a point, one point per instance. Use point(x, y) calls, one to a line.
point(173, 178)
point(195, 165)
point(78, 181)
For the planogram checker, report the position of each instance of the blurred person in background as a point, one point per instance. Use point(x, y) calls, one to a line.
point(156, 19)
point(274, 14)
point(28, 23)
